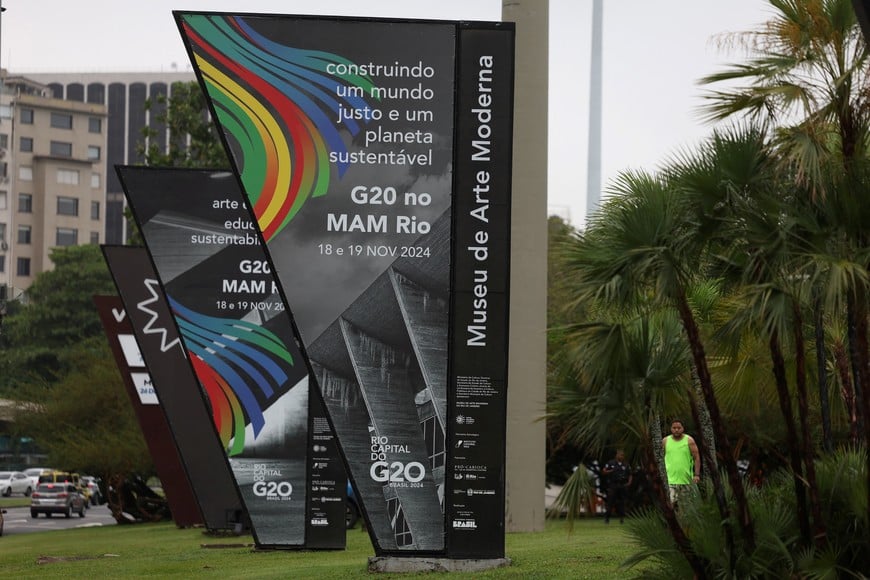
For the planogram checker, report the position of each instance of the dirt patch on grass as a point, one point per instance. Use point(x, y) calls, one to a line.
point(57, 559)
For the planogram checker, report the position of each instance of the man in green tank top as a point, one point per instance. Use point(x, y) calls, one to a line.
point(682, 460)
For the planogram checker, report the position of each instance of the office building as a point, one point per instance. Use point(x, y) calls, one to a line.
point(124, 95)
point(52, 178)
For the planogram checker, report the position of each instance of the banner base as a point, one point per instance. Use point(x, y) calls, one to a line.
point(396, 564)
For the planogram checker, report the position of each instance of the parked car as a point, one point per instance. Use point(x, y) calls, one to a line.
point(34, 472)
point(56, 498)
point(67, 477)
point(14, 482)
point(93, 485)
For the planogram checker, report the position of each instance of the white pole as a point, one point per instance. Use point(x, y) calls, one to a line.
point(593, 170)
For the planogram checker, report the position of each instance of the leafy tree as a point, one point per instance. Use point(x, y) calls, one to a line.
point(807, 77)
point(193, 139)
point(84, 422)
point(55, 360)
point(56, 313)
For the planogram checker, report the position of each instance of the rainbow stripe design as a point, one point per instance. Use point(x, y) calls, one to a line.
point(277, 103)
point(228, 356)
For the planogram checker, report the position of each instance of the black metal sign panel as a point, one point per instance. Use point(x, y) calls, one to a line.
point(342, 134)
point(239, 337)
point(479, 343)
point(176, 387)
point(152, 420)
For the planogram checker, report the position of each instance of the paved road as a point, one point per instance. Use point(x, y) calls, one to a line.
point(18, 520)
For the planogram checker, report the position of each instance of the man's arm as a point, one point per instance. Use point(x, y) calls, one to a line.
point(696, 457)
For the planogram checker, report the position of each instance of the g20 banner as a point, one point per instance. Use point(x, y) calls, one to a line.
point(240, 343)
point(375, 158)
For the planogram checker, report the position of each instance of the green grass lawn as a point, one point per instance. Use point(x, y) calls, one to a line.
point(14, 501)
point(591, 550)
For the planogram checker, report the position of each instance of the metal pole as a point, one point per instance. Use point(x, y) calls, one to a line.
point(593, 169)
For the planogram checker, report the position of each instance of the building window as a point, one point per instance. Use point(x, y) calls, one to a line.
point(2, 232)
point(23, 267)
point(4, 200)
point(67, 205)
point(95, 180)
point(3, 264)
point(24, 234)
point(434, 437)
point(4, 141)
point(95, 210)
point(61, 120)
point(25, 203)
point(25, 173)
point(25, 145)
point(93, 153)
point(401, 531)
point(67, 237)
point(5, 112)
point(61, 149)
point(95, 125)
point(68, 176)
point(26, 116)
point(95, 237)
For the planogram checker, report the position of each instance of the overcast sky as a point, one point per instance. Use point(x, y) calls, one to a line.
point(654, 51)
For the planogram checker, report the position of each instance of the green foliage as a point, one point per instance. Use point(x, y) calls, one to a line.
point(778, 553)
point(578, 497)
point(193, 138)
point(57, 312)
point(85, 421)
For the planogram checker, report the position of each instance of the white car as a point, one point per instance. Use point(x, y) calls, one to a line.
point(15, 482)
point(34, 472)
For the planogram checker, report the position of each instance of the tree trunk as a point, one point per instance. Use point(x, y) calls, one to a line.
point(660, 494)
point(807, 450)
point(853, 312)
point(707, 450)
point(822, 370)
point(791, 437)
point(858, 348)
point(726, 457)
point(847, 391)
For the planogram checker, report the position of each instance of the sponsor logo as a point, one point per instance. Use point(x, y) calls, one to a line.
point(273, 490)
point(468, 524)
point(319, 522)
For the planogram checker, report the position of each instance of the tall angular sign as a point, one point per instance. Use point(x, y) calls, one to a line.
point(152, 420)
point(239, 338)
point(375, 159)
point(175, 387)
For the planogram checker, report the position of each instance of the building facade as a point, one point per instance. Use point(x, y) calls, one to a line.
point(124, 96)
point(52, 179)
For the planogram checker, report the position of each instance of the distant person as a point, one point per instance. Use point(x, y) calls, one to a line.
point(618, 475)
point(682, 461)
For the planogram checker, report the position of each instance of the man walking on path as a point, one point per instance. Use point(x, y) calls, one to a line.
point(682, 461)
point(618, 475)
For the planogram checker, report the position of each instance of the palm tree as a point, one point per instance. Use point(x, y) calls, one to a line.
point(649, 242)
point(807, 77)
point(617, 373)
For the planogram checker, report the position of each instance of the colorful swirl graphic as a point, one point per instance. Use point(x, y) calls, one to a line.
point(277, 103)
point(228, 356)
